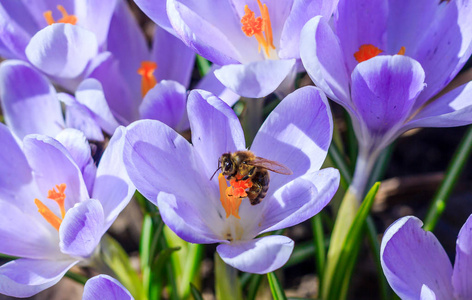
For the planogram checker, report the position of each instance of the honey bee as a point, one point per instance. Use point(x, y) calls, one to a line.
point(243, 165)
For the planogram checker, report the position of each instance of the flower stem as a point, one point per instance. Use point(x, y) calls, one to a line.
point(453, 172)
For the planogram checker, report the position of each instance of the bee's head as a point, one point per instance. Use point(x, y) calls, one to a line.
point(227, 165)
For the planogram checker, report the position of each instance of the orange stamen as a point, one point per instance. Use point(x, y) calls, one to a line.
point(231, 196)
point(58, 196)
point(366, 52)
point(402, 51)
point(148, 80)
point(66, 18)
point(260, 27)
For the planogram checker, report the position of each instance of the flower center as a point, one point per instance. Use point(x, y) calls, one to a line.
point(231, 196)
point(58, 196)
point(259, 27)
point(367, 51)
point(66, 18)
point(148, 80)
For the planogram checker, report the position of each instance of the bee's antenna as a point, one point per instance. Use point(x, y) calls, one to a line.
point(215, 173)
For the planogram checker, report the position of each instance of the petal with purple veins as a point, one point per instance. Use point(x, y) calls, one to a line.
point(461, 276)
point(256, 79)
point(260, 256)
point(62, 50)
point(323, 60)
point(412, 257)
point(29, 101)
point(26, 277)
point(105, 287)
point(111, 172)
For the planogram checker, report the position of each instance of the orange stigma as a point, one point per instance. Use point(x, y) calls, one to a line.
point(58, 196)
point(148, 80)
point(66, 18)
point(367, 51)
point(259, 27)
point(232, 196)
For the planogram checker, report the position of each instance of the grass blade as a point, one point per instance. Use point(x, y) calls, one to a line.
point(277, 291)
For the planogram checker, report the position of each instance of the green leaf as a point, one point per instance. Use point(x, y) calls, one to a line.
point(203, 65)
point(277, 291)
point(351, 244)
point(227, 284)
point(195, 292)
point(115, 257)
point(254, 284)
point(76, 277)
point(301, 252)
point(162, 258)
point(320, 253)
point(453, 172)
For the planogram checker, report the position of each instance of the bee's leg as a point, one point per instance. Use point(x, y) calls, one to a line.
point(249, 174)
point(254, 192)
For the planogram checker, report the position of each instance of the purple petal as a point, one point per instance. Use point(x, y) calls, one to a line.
point(210, 83)
point(260, 256)
point(384, 90)
point(174, 59)
point(427, 293)
point(76, 143)
point(322, 58)
point(298, 200)
point(81, 118)
point(24, 234)
point(449, 110)
point(13, 37)
point(62, 50)
point(166, 102)
point(90, 93)
point(209, 28)
point(156, 11)
point(82, 228)
point(111, 172)
point(27, 277)
point(29, 101)
point(127, 43)
point(52, 165)
point(441, 39)
point(156, 156)
point(95, 16)
point(297, 134)
point(120, 98)
point(190, 219)
point(215, 128)
point(462, 274)
point(412, 257)
point(301, 12)
point(364, 22)
point(256, 79)
point(105, 287)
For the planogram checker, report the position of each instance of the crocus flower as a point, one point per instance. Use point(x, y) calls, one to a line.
point(49, 218)
point(417, 267)
point(177, 176)
point(105, 287)
point(31, 105)
point(256, 42)
point(148, 83)
point(384, 61)
point(61, 38)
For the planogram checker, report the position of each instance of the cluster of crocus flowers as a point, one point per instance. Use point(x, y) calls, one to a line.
point(417, 267)
point(56, 205)
point(256, 41)
point(387, 69)
point(175, 175)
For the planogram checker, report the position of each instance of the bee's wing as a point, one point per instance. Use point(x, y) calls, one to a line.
point(271, 165)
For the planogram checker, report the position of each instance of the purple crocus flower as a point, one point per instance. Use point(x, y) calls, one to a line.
point(31, 105)
point(105, 287)
point(61, 38)
point(256, 42)
point(159, 91)
point(387, 94)
point(175, 175)
point(417, 267)
point(49, 218)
